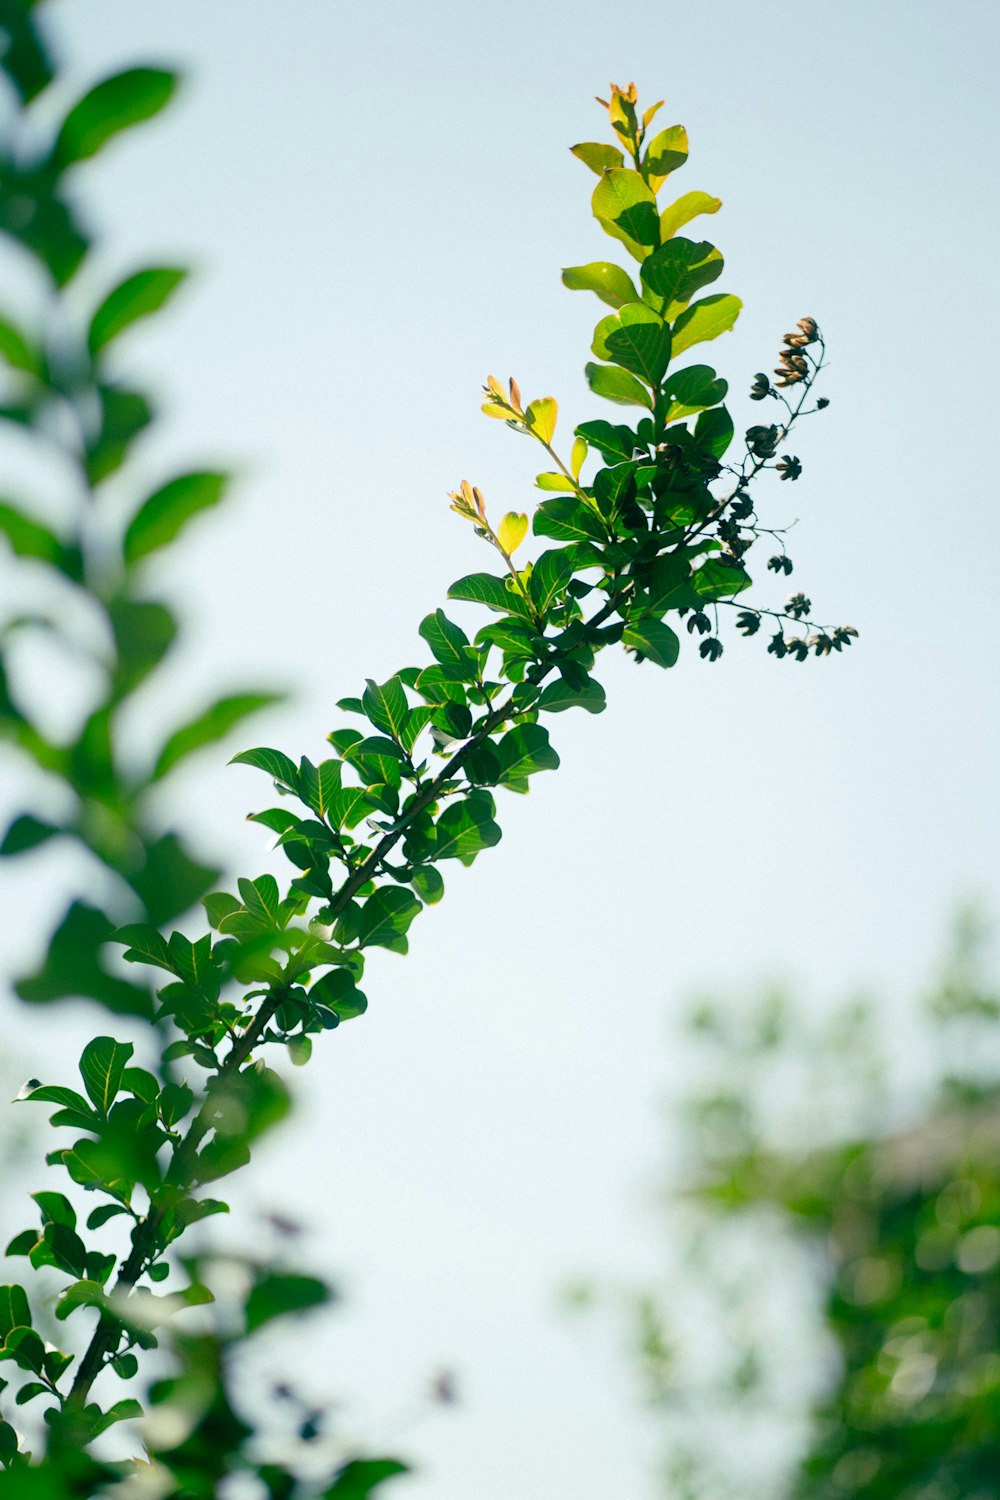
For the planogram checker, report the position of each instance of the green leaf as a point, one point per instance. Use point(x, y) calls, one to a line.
point(29, 538)
point(625, 207)
point(73, 967)
point(559, 696)
point(677, 270)
point(549, 577)
point(80, 1294)
point(485, 588)
point(122, 1411)
point(386, 706)
point(54, 1093)
point(637, 339)
point(617, 444)
point(14, 1310)
point(145, 946)
point(159, 519)
point(665, 153)
point(653, 639)
point(124, 414)
point(385, 917)
point(670, 584)
point(448, 642)
point(23, 1244)
point(17, 349)
point(275, 762)
point(358, 1479)
point(144, 632)
point(597, 157)
point(428, 882)
point(568, 520)
point(713, 431)
point(98, 1217)
point(464, 828)
point(208, 726)
point(138, 296)
point(56, 1207)
point(348, 806)
point(693, 390)
point(523, 751)
point(261, 898)
point(281, 1292)
point(115, 104)
point(613, 285)
point(24, 1346)
point(338, 992)
point(705, 320)
point(101, 1066)
point(617, 385)
point(29, 1392)
point(684, 210)
point(551, 480)
point(26, 832)
point(170, 880)
point(714, 580)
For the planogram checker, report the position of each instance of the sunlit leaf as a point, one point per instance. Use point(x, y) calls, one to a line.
point(705, 320)
point(613, 285)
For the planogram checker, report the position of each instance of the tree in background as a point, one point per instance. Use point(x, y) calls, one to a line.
point(841, 1218)
point(649, 521)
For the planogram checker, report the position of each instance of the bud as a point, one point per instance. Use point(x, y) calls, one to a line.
point(495, 388)
point(477, 496)
point(515, 394)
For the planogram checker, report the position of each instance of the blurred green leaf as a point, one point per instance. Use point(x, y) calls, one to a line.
point(208, 726)
point(164, 514)
point(139, 295)
point(123, 415)
point(29, 538)
point(116, 103)
point(280, 1293)
point(358, 1479)
point(26, 832)
point(73, 967)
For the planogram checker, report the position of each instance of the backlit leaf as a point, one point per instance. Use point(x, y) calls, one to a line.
point(626, 208)
point(617, 385)
point(101, 1067)
point(684, 210)
point(665, 153)
point(599, 158)
point(654, 640)
point(541, 417)
point(613, 285)
point(705, 320)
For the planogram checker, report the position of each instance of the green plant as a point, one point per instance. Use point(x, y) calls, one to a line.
point(662, 526)
point(820, 1149)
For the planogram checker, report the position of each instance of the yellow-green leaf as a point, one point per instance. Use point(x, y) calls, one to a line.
point(625, 207)
point(512, 531)
point(578, 457)
point(541, 417)
point(664, 154)
point(684, 210)
point(705, 320)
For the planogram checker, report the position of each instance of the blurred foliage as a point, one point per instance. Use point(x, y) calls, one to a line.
point(841, 1225)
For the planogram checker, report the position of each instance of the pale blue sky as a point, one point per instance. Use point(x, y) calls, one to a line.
point(379, 199)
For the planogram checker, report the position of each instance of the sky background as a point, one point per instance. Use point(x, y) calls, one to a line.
point(377, 200)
